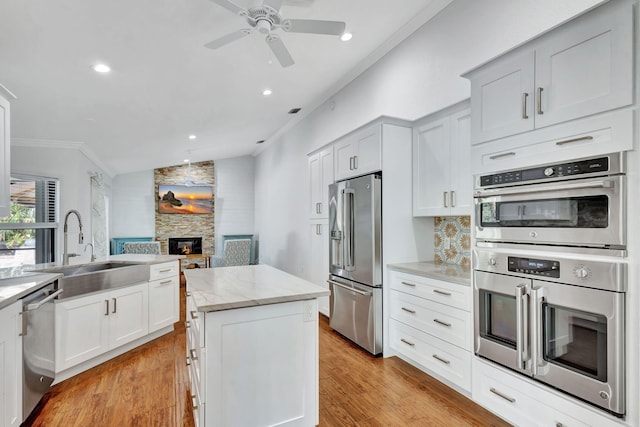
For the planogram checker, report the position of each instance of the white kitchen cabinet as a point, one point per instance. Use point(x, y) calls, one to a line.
point(91, 325)
point(319, 260)
point(579, 69)
point(11, 365)
point(442, 180)
point(359, 153)
point(430, 326)
point(5, 150)
point(320, 167)
point(164, 296)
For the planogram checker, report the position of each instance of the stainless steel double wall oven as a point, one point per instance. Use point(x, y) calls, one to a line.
point(549, 276)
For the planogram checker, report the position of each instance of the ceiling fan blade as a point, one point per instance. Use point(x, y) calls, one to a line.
point(279, 50)
point(228, 38)
point(273, 4)
point(230, 6)
point(334, 28)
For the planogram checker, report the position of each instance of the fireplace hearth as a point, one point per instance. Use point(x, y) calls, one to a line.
point(185, 245)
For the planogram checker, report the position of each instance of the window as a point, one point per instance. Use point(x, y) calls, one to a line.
point(27, 235)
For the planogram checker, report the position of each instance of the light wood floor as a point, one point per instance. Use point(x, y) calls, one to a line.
point(149, 387)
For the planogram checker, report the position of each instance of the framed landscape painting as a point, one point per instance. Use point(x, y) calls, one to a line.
point(182, 199)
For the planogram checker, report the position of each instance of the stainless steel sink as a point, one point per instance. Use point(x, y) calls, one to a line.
point(85, 278)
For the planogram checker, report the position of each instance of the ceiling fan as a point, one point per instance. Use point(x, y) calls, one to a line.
point(190, 181)
point(267, 18)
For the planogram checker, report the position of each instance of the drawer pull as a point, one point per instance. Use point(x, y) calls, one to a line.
point(106, 312)
point(408, 310)
point(194, 355)
point(437, 291)
point(539, 99)
point(407, 342)
point(525, 95)
point(497, 156)
point(193, 402)
point(187, 324)
point(409, 284)
point(166, 270)
point(193, 314)
point(188, 361)
point(445, 361)
point(504, 396)
point(569, 141)
point(166, 282)
point(440, 322)
point(187, 293)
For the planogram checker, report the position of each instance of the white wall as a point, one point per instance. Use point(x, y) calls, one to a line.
point(73, 169)
point(134, 205)
point(234, 197)
point(418, 77)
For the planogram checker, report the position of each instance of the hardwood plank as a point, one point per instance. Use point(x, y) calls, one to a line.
point(149, 386)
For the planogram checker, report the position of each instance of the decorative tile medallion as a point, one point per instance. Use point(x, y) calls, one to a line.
point(456, 230)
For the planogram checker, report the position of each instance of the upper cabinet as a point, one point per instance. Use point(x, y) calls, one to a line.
point(577, 70)
point(320, 177)
point(5, 151)
point(359, 153)
point(442, 181)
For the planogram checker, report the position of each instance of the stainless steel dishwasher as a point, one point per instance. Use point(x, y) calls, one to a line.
point(38, 345)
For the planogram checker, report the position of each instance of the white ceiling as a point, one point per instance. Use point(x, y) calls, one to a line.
point(165, 85)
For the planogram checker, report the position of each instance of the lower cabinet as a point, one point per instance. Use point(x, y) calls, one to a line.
point(164, 303)
point(89, 326)
point(10, 365)
point(430, 326)
point(319, 260)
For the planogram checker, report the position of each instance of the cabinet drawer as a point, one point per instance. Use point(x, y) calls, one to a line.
point(452, 294)
point(164, 270)
point(448, 361)
point(447, 323)
point(196, 400)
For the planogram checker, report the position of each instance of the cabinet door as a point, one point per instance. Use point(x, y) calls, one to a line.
point(345, 151)
point(431, 169)
point(129, 314)
point(5, 157)
point(586, 67)
point(461, 179)
point(164, 308)
point(368, 157)
point(319, 261)
point(10, 366)
point(502, 98)
point(82, 329)
point(320, 176)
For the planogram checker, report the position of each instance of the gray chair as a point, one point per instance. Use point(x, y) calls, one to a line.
point(237, 252)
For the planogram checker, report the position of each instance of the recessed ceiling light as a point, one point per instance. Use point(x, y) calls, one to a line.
point(267, 92)
point(101, 68)
point(192, 137)
point(260, 142)
point(346, 37)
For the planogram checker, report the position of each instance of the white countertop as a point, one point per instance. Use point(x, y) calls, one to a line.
point(224, 288)
point(448, 272)
point(14, 288)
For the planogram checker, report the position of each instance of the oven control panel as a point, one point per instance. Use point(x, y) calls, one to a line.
point(539, 267)
point(547, 172)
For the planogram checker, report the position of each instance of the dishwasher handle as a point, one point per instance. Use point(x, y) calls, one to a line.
point(357, 291)
point(37, 305)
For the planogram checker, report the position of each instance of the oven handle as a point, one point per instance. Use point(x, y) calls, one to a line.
point(522, 326)
point(538, 365)
point(545, 188)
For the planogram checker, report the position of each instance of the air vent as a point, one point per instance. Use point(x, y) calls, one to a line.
point(260, 142)
point(294, 110)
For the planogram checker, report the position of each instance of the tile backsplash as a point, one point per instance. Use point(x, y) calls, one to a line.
point(456, 230)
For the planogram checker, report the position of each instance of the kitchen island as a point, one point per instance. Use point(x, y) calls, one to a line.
point(252, 346)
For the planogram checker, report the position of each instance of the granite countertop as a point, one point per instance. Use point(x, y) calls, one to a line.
point(14, 288)
point(448, 272)
point(224, 288)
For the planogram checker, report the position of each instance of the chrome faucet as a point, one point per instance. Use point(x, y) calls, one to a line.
point(65, 254)
point(93, 257)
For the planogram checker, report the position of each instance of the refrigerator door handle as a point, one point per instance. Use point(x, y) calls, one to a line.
point(348, 212)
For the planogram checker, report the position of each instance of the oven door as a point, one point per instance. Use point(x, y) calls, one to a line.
point(502, 319)
point(579, 342)
point(586, 212)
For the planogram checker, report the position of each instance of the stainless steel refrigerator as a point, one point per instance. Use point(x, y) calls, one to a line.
point(355, 260)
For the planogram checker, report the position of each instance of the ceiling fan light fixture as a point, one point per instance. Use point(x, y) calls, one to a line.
point(101, 68)
point(346, 37)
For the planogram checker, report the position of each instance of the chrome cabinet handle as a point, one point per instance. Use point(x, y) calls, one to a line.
point(318, 208)
point(438, 291)
point(444, 198)
point(445, 361)
point(318, 229)
point(539, 100)
point(497, 156)
point(504, 396)
point(193, 354)
point(193, 314)
point(23, 332)
point(408, 310)
point(193, 402)
point(166, 282)
point(188, 361)
point(355, 162)
point(115, 305)
point(568, 141)
point(440, 322)
point(351, 163)
point(453, 198)
point(407, 342)
point(166, 270)
point(409, 284)
point(524, 105)
point(106, 311)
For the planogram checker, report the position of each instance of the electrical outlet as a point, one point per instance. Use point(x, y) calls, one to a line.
point(308, 311)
